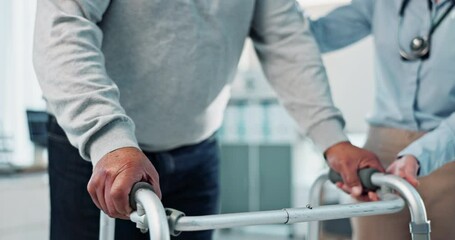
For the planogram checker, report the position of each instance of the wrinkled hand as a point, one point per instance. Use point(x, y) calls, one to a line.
point(405, 167)
point(347, 160)
point(113, 177)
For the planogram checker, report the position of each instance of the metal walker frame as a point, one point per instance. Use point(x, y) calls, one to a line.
point(161, 223)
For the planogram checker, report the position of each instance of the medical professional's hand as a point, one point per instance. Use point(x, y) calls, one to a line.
point(407, 168)
point(347, 160)
point(113, 177)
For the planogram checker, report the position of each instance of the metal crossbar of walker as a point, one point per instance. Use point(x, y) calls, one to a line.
point(161, 223)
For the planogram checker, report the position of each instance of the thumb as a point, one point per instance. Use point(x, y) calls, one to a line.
point(152, 177)
point(391, 168)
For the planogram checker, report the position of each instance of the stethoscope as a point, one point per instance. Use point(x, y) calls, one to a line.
point(420, 45)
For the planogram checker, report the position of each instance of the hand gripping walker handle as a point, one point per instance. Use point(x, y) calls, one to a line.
point(364, 175)
point(153, 216)
point(137, 186)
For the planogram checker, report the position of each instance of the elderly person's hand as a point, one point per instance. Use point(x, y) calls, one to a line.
point(347, 160)
point(114, 176)
point(406, 167)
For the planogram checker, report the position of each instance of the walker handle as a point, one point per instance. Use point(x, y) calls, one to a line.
point(137, 186)
point(364, 175)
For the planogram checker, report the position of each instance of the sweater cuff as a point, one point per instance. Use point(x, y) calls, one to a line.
point(113, 136)
point(327, 133)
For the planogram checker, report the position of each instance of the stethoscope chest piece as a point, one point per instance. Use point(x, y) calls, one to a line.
point(419, 44)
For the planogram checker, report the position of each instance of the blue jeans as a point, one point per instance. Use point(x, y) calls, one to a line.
point(189, 181)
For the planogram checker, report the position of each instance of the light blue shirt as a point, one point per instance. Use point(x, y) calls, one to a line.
point(414, 95)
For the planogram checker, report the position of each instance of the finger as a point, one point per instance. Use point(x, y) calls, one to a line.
point(100, 197)
point(350, 177)
point(391, 168)
point(412, 176)
point(112, 210)
point(412, 180)
point(373, 196)
point(91, 188)
point(363, 198)
point(339, 184)
point(356, 190)
point(406, 177)
point(156, 189)
point(120, 194)
point(401, 173)
point(343, 187)
point(352, 180)
point(153, 179)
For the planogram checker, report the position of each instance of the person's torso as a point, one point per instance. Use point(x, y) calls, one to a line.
point(172, 61)
point(414, 95)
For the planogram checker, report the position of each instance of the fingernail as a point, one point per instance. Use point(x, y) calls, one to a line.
point(356, 190)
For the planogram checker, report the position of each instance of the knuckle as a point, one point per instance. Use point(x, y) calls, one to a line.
point(117, 193)
point(105, 172)
point(91, 186)
point(102, 172)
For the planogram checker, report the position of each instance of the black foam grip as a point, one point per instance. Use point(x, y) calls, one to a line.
point(364, 175)
point(135, 188)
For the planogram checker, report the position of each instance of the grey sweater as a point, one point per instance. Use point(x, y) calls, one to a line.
point(155, 74)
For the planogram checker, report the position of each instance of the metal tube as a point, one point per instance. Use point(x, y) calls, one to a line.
point(158, 226)
point(419, 226)
point(288, 216)
point(409, 193)
point(107, 227)
point(421, 236)
point(156, 217)
point(230, 220)
point(339, 211)
point(314, 197)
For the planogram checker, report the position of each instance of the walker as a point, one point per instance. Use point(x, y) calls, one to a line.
point(161, 223)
